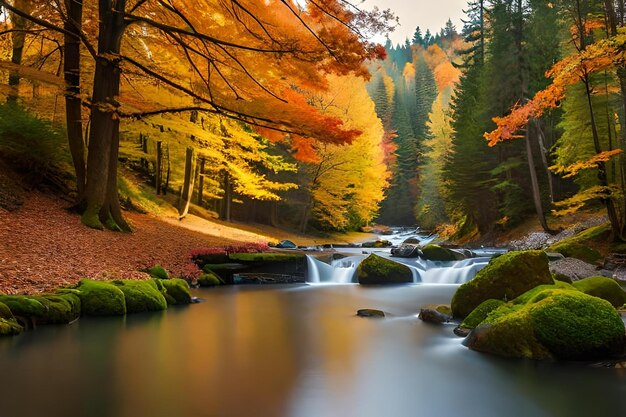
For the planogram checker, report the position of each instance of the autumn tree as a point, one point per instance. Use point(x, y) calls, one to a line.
point(243, 61)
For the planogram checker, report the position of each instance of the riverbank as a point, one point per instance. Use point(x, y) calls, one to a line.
point(44, 246)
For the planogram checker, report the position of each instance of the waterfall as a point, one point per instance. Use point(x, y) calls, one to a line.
point(342, 271)
point(339, 271)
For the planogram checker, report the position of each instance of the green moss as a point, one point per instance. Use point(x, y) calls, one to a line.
point(209, 279)
point(5, 311)
point(573, 325)
point(542, 291)
point(508, 331)
point(578, 246)
point(158, 271)
point(91, 218)
point(504, 278)
point(378, 270)
point(99, 298)
point(604, 288)
point(24, 306)
point(480, 313)
point(444, 309)
point(61, 308)
point(177, 291)
point(10, 327)
point(266, 257)
point(141, 296)
point(438, 253)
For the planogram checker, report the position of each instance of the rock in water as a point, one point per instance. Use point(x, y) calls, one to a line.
point(433, 316)
point(378, 270)
point(368, 312)
point(504, 278)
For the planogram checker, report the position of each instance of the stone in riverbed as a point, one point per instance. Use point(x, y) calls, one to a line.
point(430, 315)
point(141, 296)
point(433, 252)
point(369, 312)
point(604, 288)
point(504, 278)
point(375, 270)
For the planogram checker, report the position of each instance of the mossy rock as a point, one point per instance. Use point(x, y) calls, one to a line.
point(437, 253)
point(61, 308)
point(562, 278)
point(562, 323)
point(141, 296)
point(210, 279)
point(5, 312)
point(24, 306)
point(506, 277)
point(378, 270)
point(542, 291)
point(266, 257)
point(604, 288)
point(10, 327)
point(578, 246)
point(176, 291)
point(480, 313)
point(158, 271)
point(576, 326)
point(101, 298)
point(576, 250)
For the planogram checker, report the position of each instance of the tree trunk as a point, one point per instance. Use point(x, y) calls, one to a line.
point(169, 169)
point(158, 180)
point(18, 38)
point(101, 197)
point(228, 197)
point(187, 191)
point(73, 105)
point(535, 183)
point(201, 181)
point(543, 152)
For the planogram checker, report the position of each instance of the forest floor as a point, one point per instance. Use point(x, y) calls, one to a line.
point(43, 246)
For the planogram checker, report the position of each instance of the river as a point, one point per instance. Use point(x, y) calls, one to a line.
point(292, 351)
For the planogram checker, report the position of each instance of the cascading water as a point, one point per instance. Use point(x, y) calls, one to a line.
point(339, 271)
point(342, 271)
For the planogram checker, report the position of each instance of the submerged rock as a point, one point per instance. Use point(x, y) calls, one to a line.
point(504, 278)
point(433, 316)
point(378, 270)
point(368, 312)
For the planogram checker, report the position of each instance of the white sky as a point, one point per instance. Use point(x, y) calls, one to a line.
point(427, 14)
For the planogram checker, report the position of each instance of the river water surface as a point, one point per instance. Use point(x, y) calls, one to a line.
point(292, 351)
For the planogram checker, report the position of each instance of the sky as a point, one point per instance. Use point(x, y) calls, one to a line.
point(427, 14)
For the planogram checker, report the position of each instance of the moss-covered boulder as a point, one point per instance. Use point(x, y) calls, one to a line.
point(378, 270)
point(100, 298)
point(480, 313)
point(158, 271)
point(209, 279)
point(437, 253)
point(556, 323)
point(504, 278)
point(61, 308)
point(8, 324)
point(141, 296)
point(604, 288)
point(176, 291)
point(580, 246)
point(24, 306)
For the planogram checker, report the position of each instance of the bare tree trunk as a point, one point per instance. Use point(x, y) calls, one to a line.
point(18, 39)
point(169, 169)
point(201, 181)
point(535, 183)
point(101, 198)
point(187, 191)
point(543, 152)
point(225, 211)
point(73, 104)
point(158, 180)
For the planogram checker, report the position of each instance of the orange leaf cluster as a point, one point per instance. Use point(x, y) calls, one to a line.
point(576, 167)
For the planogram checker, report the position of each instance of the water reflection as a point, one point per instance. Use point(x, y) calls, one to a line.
point(292, 351)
